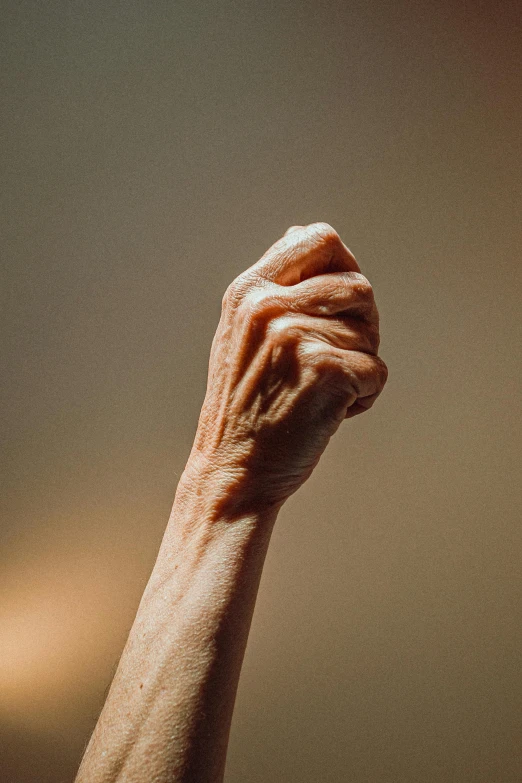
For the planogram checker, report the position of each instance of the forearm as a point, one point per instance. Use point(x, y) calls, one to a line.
point(168, 713)
point(294, 354)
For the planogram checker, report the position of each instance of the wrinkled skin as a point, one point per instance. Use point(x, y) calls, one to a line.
point(295, 353)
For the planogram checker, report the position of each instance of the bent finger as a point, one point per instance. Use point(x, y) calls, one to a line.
point(360, 374)
point(347, 333)
point(303, 253)
point(332, 294)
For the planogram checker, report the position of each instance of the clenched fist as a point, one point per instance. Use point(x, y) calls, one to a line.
point(295, 353)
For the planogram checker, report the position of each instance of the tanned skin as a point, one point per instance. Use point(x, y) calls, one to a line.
point(294, 354)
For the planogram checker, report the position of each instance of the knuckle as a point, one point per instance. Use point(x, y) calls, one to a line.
point(361, 285)
point(382, 370)
point(329, 368)
point(262, 302)
point(283, 329)
point(317, 356)
point(285, 335)
point(260, 306)
point(324, 234)
point(235, 292)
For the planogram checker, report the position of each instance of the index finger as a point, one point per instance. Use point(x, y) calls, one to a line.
point(304, 252)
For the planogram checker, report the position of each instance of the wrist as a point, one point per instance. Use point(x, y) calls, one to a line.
point(208, 521)
point(223, 493)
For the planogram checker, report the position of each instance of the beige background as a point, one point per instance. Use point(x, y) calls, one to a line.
point(152, 151)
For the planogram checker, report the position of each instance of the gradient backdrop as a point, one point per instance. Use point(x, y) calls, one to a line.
point(151, 152)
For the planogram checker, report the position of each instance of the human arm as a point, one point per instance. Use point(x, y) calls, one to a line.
point(294, 354)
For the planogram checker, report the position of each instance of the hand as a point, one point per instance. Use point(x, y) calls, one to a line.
point(295, 353)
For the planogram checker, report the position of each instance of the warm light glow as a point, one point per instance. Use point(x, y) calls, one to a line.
point(55, 637)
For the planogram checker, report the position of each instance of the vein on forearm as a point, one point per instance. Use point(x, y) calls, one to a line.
point(168, 712)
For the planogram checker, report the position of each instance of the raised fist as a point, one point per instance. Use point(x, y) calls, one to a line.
point(295, 353)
